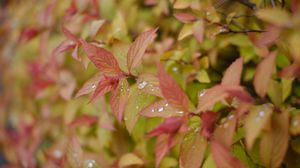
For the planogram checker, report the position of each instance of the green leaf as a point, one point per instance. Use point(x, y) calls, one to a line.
point(130, 159)
point(186, 31)
point(286, 86)
point(275, 16)
point(202, 76)
point(275, 92)
point(209, 162)
point(136, 102)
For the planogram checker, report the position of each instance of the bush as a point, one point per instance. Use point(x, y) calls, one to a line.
point(172, 83)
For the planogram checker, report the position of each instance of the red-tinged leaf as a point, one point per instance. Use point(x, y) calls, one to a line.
point(102, 59)
point(83, 120)
point(75, 53)
point(171, 91)
point(64, 46)
point(118, 99)
point(68, 84)
point(290, 71)
point(69, 35)
point(74, 153)
point(233, 73)
point(149, 84)
point(263, 74)
point(185, 17)
point(274, 143)
point(192, 150)
point(138, 48)
point(223, 157)
point(208, 123)
point(219, 92)
point(29, 33)
point(163, 144)
point(198, 30)
point(160, 109)
point(257, 119)
point(225, 132)
point(89, 86)
point(105, 120)
point(169, 126)
point(105, 85)
point(269, 37)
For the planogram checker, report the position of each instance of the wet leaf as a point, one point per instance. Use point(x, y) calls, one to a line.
point(257, 119)
point(149, 84)
point(89, 86)
point(274, 142)
point(160, 109)
point(226, 130)
point(171, 91)
point(105, 85)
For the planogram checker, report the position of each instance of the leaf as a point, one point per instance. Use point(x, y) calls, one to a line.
point(286, 85)
point(74, 153)
point(163, 144)
point(169, 126)
point(160, 109)
point(95, 27)
point(217, 93)
point(202, 76)
point(83, 120)
point(267, 14)
point(275, 92)
point(130, 159)
point(69, 35)
point(171, 91)
point(136, 102)
point(149, 84)
point(223, 157)
point(198, 30)
point(208, 123)
point(185, 17)
point(257, 119)
point(89, 86)
point(290, 71)
point(185, 31)
point(209, 162)
point(192, 150)
point(119, 98)
point(274, 143)
point(105, 85)
point(232, 75)
point(102, 59)
point(263, 74)
point(225, 132)
point(138, 48)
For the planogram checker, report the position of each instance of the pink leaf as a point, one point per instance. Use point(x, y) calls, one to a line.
point(64, 46)
point(223, 157)
point(74, 153)
point(185, 17)
point(225, 132)
point(169, 126)
point(220, 92)
point(118, 99)
point(102, 59)
point(208, 123)
point(171, 91)
point(69, 35)
point(263, 74)
point(29, 33)
point(149, 84)
point(160, 109)
point(163, 144)
point(83, 120)
point(89, 86)
point(198, 30)
point(105, 85)
point(138, 48)
point(290, 71)
point(75, 53)
point(233, 73)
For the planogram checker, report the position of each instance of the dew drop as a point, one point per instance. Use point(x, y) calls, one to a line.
point(160, 109)
point(179, 112)
point(90, 163)
point(152, 110)
point(295, 123)
point(57, 153)
point(142, 84)
point(261, 113)
point(93, 86)
point(202, 93)
point(166, 105)
point(175, 69)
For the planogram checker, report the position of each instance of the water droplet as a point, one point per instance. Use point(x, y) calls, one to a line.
point(90, 163)
point(137, 107)
point(166, 105)
point(223, 29)
point(295, 123)
point(202, 93)
point(160, 109)
point(179, 112)
point(231, 117)
point(175, 69)
point(261, 113)
point(152, 110)
point(142, 84)
point(57, 153)
point(207, 13)
point(93, 86)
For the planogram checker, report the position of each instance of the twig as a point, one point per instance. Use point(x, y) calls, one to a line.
point(248, 4)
